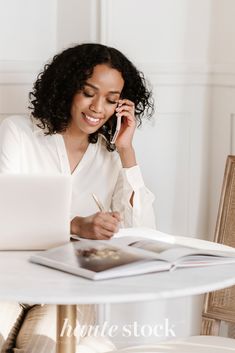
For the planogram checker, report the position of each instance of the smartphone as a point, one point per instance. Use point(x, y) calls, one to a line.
point(118, 127)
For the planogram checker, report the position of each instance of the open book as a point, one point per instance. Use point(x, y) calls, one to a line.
point(133, 251)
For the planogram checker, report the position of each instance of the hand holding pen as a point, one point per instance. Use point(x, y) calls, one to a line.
point(100, 226)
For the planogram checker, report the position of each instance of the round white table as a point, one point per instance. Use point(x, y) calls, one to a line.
point(26, 282)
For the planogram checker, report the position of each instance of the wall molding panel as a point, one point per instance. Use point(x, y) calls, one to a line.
point(22, 72)
point(19, 72)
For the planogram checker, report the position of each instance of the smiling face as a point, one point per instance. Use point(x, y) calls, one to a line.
point(97, 101)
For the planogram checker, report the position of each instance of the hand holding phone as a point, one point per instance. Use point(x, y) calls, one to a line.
point(118, 127)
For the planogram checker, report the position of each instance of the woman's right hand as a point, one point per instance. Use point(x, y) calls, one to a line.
point(99, 226)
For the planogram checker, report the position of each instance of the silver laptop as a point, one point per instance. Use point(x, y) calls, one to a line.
point(34, 211)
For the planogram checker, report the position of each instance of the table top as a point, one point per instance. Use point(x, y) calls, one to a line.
point(26, 282)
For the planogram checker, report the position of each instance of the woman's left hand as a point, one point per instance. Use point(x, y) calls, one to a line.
point(126, 109)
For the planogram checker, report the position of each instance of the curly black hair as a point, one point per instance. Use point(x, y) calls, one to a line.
point(66, 75)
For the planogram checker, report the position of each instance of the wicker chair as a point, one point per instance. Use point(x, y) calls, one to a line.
point(219, 305)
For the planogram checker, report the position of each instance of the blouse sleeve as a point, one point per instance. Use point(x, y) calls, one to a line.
point(9, 147)
point(141, 214)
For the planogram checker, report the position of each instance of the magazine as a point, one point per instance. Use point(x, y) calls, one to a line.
point(133, 251)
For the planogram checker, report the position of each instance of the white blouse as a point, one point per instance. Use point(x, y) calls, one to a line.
point(25, 149)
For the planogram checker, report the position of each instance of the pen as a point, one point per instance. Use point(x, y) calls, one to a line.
point(98, 203)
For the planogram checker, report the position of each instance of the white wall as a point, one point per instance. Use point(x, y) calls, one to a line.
point(187, 50)
point(26, 26)
point(222, 132)
point(157, 31)
point(164, 39)
point(27, 40)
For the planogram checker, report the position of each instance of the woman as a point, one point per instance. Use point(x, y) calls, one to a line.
point(75, 103)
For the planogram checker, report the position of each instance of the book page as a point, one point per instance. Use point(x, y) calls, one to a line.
point(126, 235)
point(140, 234)
point(101, 257)
point(187, 254)
point(202, 260)
point(150, 245)
point(165, 251)
point(141, 242)
point(172, 252)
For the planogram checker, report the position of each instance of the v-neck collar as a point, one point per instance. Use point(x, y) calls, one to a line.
point(63, 156)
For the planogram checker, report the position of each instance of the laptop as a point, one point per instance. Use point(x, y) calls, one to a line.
point(34, 211)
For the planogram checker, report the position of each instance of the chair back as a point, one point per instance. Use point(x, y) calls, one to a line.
point(220, 305)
